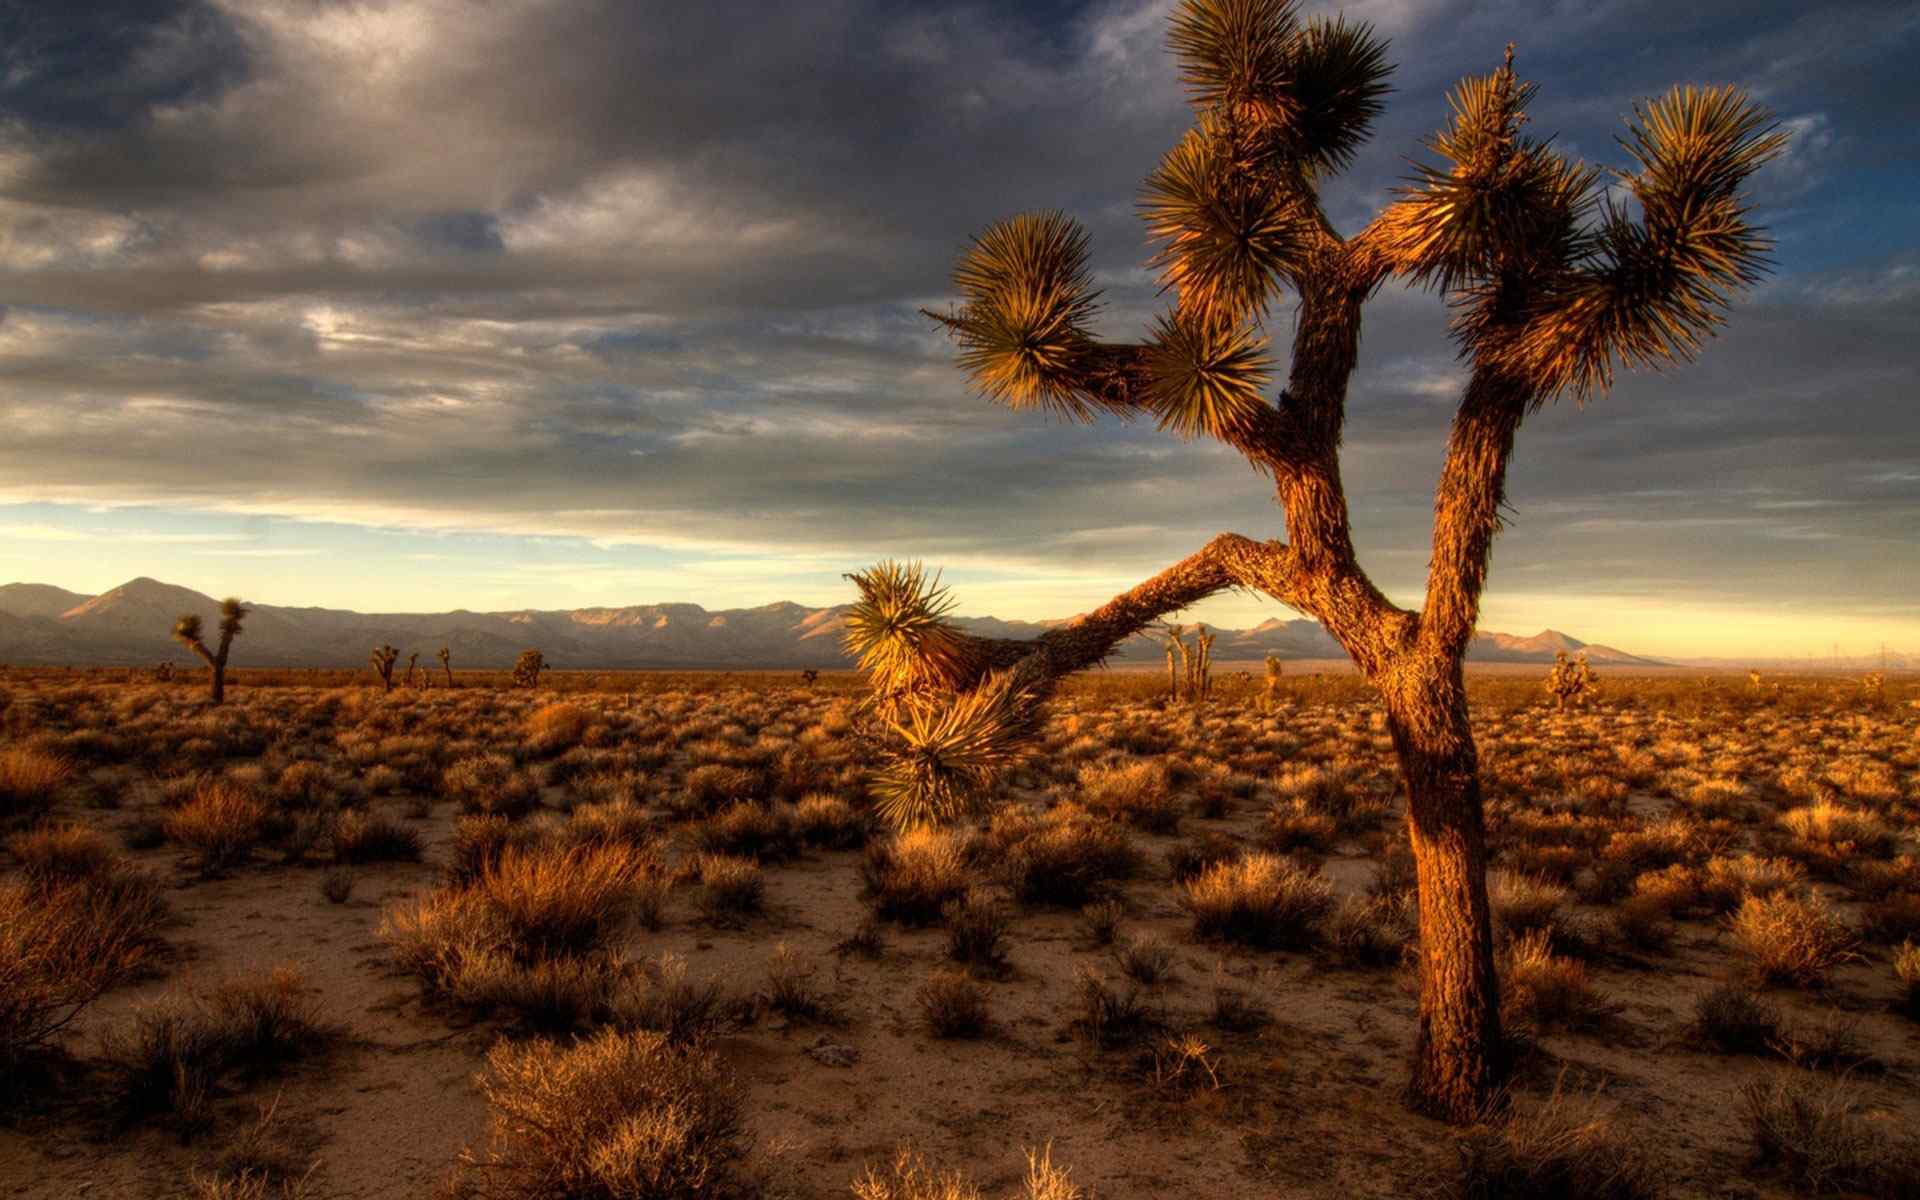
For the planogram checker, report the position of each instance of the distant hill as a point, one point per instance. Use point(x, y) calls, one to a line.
point(131, 626)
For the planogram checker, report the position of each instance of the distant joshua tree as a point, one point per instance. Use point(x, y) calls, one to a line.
point(412, 664)
point(186, 631)
point(1201, 682)
point(1553, 273)
point(809, 677)
point(382, 659)
point(1273, 680)
point(163, 673)
point(1572, 683)
point(526, 670)
point(446, 664)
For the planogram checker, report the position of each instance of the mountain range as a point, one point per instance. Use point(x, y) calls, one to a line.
point(131, 625)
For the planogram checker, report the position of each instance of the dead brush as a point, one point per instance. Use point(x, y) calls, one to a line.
point(1733, 1019)
point(1524, 904)
point(1369, 931)
point(1111, 1018)
point(622, 1115)
point(1181, 1065)
point(828, 823)
point(220, 825)
point(552, 903)
point(1539, 990)
point(1063, 858)
point(1818, 1137)
point(977, 933)
point(490, 784)
point(1791, 939)
point(30, 781)
point(555, 728)
point(1146, 960)
point(748, 830)
point(910, 1178)
point(1565, 1149)
point(954, 1004)
point(1138, 793)
point(731, 889)
point(1259, 900)
point(712, 787)
point(661, 997)
point(790, 990)
point(359, 837)
point(912, 876)
point(52, 855)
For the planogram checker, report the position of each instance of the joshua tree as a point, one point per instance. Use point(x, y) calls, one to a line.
point(186, 631)
point(446, 663)
point(1551, 279)
point(809, 677)
point(1176, 650)
point(1202, 681)
point(1273, 679)
point(412, 663)
point(527, 668)
point(1571, 682)
point(383, 658)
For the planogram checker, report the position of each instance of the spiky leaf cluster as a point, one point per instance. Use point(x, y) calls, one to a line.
point(1206, 376)
point(232, 613)
point(187, 629)
point(1307, 94)
point(951, 751)
point(1228, 238)
point(899, 632)
point(1023, 327)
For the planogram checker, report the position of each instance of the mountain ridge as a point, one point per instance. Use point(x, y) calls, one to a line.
point(130, 625)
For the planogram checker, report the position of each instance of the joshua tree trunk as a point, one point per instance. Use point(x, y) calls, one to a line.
point(219, 670)
point(1459, 1057)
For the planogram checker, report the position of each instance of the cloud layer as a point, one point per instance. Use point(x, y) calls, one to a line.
point(646, 276)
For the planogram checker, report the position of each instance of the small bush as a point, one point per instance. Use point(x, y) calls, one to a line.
point(955, 1006)
point(554, 728)
point(1906, 969)
point(1290, 827)
point(59, 854)
point(1064, 858)
point(1190, 858)
point(1525, 903)
point(1539, 990)
point(1726, 882)
point(977, 932)
point(747, 830)
point(1815, 1134)
point(220, 824)
point(1732, 1019)
point(1562, 1150)
point(1839, 830)
point(712, 787)
point(625, 1115)
point(1139, 793)
point(730, 888)
point(490, 784)
point(1891, 921)
point(61, 948)
point(1368, 931)
point(1791, 940)
point(1146, 960)
point(1113, 1018)
point(662, 999)
point(551, 903)
point(790, 990)
point(359, 837)
point(1260, 900)
point(912, 877)
point(1102, 921)
point(828, 823)
point(30, 780)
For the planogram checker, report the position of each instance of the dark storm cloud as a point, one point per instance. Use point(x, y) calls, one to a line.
point(649, 272)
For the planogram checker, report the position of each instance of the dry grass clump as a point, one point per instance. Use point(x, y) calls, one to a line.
point(954, 1004)
point(1063, 857)
point(1726, 881)
point(1565, 1149)
point(1259, 900)
point(1816, 1135)
point(911, 1179)
point(554, 728)
point(220, 824)
point(748, 830)
point(30, 780)
point(619, 1116)
point(1290, 827)
point(828, 823)
point(1146, 959)
point(1191, 857)
point(1733, 1019)
point(912, 876)
point(1114, 1018)
point(731, 889)
point(1540, 990)
point(1525, 904)
point(1139, 793)
point(63, 945)
point(1791, 939)
point(977, 932)
point(1835, 829)
point(614, 822)
point(490, 783)
point(1891, 921)
point(179, 1051)
point(712, 787)
point(481, 838)
point(553, 903)
point(1906, 969)
point(361, 837)
point(790, 990)
point(1369, 931)
point(55, 854)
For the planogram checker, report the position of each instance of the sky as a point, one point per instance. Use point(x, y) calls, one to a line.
point(422, 304)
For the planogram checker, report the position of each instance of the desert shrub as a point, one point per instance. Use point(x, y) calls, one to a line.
point(30, 780)
point(1879, 880)
point(662, 998)
point(220, 825)
point(1102, 921)
point(61, 948)
point(1726, 881)
point(553, 728)
point(1139, 793)
point(307, 785)
point(790, 991)
point(912, 876)
point(1540, 990)
point(1564, 1149)
point(1259, 900)
point(1789, 939)
point(1234, 1008)
point(1195, 855)
point(361, 837)
point(977, 932)
point(57, 854)
point(551, 903)
point(1906, 969)
point(1114, 1018)
point(481, 838)
point(1146, 959)
point(1893, 920)
point(730, 888)
point(912, 1179)
point(615, 822)
point(1290, 827)
point(828, 822)
point(1733, 1019)
point(490, 784)
point(747, 830)
point(954, 1004)
point(1839, 830)
point(624, 1115)
point(1063, 857)
point(712, 787)
point(1524, 903)
point(178, 1051)
point(1816, 1135)
point(1369, 931)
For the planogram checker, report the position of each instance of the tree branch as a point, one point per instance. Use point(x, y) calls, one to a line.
point(1466, 507)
